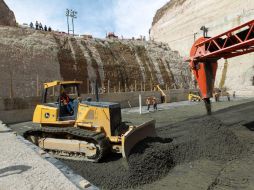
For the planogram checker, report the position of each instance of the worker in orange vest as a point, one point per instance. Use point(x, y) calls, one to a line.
point(148, 102)
point(154, 102)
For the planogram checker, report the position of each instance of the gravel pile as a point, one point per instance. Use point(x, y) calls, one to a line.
point(204, 138)
point(153, 158)
point(150, 160)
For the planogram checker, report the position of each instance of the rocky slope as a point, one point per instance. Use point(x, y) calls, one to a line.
point(177, 21)
point(7, 17)
point(30, 57)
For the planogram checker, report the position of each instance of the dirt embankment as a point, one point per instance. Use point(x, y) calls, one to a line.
point(153, 158)
point(159, 14)
point(7, 17)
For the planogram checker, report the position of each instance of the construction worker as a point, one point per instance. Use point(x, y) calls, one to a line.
point(40, 26)
point(154, 102)
point(148, 102)
point(36, 25)
point(31, 25)
point(216, 96)
point(163, 98)
point(65, 100)
point(228, 96)
point(205, 31)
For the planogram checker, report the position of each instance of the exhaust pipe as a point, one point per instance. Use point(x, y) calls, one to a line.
point(97, 91)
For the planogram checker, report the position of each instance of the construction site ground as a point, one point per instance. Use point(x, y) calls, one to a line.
point(192, 151)
point(23, 166)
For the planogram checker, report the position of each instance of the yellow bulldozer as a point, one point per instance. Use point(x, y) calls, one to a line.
point(194, 96)
point(82, 130)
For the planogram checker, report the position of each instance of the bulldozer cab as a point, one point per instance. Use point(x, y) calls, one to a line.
point(59, 101)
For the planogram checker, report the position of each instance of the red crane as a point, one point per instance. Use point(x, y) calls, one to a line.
point(206, 52)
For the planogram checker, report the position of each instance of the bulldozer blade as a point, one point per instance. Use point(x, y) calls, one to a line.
point(137, 134)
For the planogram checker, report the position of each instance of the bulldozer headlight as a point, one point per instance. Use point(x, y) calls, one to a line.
point(47, 115)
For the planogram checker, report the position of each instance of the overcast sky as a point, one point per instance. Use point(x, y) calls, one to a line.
point(130, 18)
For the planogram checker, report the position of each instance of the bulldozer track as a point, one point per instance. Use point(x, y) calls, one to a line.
point(97, 138)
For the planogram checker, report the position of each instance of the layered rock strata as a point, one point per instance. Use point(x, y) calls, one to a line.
point(178, 23)
point(30, 57)
point(7, 17)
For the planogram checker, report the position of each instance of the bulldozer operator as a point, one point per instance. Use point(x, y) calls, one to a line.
point(66, 101)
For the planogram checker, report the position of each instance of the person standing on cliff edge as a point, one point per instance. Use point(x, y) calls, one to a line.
point(31, 25)
point(40, 26)
point(36, 25)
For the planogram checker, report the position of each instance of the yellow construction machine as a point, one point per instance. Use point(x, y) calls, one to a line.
point(194, 96)
point(82, 130)
point(163, 95)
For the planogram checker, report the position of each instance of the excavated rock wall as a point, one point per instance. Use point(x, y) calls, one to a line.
point(30, 57)
point(177, 21)
point(7, 17)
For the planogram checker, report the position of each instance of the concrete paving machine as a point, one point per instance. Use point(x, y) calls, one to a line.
point(206, 52)
point(83, 130)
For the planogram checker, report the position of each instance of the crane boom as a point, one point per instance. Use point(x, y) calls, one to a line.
point(206, 52)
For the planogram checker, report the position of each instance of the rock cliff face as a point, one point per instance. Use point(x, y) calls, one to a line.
point(178, 20)
point(30, 57)
point(7, 17)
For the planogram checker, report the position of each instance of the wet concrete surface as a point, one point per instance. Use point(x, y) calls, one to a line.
point(178, 111)
point(193, 151)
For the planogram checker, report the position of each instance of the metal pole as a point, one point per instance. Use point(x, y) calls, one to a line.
point(140, 104)
point(11, 89)
point(195, 36)
point(108, 86)
point(73, 14)
point(88, 86)
point(67, 16)
point(68, 24)
point(72, 26)
point(96, 91)
point(37, 85)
